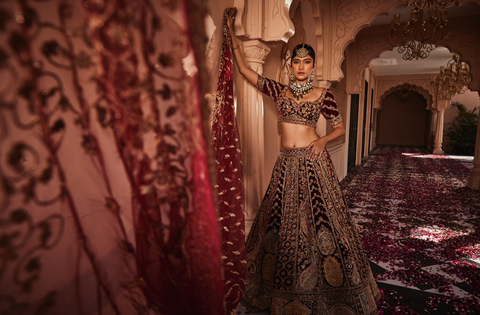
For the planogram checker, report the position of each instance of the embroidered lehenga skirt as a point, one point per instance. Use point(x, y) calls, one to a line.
point(304, 254)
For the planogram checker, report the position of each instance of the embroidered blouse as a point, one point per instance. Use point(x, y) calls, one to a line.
point(301, 113)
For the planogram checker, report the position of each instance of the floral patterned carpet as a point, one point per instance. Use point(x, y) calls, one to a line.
point(420, 226)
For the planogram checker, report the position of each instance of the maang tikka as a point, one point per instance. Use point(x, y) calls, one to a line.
point(302, 52)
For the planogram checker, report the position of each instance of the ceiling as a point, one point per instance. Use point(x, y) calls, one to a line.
point(391, 62)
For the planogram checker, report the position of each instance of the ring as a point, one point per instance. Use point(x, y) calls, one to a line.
point(316, 152)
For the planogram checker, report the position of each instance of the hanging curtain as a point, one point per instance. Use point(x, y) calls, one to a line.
point(106, 202)
point(229, 175)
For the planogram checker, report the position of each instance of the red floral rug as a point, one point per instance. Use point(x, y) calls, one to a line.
point(420, 228)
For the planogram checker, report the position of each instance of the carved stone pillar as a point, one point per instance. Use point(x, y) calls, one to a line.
point(252, 131)
point(433, 128)
point(474, 179)
point(264, 19)
point(324, 84)
point(438, 140)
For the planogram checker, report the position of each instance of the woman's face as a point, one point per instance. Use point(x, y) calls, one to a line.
point(302, 68)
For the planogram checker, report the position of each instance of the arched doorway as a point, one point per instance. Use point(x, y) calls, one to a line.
point(403, 122)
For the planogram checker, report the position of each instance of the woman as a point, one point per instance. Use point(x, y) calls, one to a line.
point(303, 252)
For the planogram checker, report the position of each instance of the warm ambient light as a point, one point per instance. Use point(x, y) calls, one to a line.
point(438, 234)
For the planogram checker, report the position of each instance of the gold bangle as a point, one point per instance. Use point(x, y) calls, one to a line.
point(238, 46)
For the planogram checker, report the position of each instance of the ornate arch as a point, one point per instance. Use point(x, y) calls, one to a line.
point(345, 18)
point(361, 52)
point(387, 87)
point(464, 39)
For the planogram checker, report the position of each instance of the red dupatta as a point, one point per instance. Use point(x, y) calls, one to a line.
point(228, 166)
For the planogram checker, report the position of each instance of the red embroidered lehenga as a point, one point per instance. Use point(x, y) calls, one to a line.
point(304, 254)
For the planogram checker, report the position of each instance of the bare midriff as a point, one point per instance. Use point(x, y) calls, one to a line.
point(296, 136)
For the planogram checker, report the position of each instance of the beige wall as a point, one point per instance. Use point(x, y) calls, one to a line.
point(403, 123)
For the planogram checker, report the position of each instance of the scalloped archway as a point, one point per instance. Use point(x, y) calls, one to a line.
point(387, 87)
point(364, 47)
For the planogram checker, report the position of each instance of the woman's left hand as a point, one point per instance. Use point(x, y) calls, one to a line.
point(317, 148)
point(230, 21)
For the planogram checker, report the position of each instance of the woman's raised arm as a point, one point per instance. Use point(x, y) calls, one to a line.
point(244, 69)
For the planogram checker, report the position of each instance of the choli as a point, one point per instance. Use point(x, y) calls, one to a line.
point(301, 113)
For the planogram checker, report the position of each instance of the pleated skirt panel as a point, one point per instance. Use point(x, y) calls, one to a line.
point(304, 255)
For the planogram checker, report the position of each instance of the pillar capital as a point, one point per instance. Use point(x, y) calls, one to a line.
point(441, 105)
point(265, 20)
point(255, 51)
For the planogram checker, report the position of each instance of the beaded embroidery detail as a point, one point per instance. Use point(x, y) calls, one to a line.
point(301, 113)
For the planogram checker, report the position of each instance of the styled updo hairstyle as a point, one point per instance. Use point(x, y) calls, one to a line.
point(303, 50)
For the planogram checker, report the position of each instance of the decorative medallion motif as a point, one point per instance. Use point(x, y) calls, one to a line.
point(404, 92)
point(327, 244)
point(342, 309)
point(296, 308)
point(333, 272)
point(268, 265)
point(302, 52)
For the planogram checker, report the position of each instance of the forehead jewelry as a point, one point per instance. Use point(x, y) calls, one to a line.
point(302, 52)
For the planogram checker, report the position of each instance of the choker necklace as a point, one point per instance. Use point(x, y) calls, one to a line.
point(300, 89)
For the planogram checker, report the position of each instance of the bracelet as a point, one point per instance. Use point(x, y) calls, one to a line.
point(238, 46)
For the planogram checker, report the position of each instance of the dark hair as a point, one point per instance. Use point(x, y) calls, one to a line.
point(309, 48)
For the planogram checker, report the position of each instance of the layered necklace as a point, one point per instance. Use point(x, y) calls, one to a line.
point(300, 89)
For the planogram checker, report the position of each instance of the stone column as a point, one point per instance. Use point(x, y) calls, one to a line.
point(252, 131)
point(438, 140)
point(433, 128)
point(474, 179)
